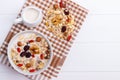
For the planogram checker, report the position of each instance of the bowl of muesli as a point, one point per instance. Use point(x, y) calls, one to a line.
point(29, 52)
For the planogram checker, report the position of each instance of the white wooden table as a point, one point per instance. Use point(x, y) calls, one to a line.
point(95, 55)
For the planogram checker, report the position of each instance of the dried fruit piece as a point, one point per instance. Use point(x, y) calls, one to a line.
point(30, 41)
point(69, 37)
point(68, 19)
point(32, 70)
point(19, 43)
point(33, 55)
point(42, 56)
point(26, 47)
point(19, 50)
point(28, 65)
point(66, 12)
point(38, 39)
point(22, 54)
point(28, 55)
point(62, 4)
point(20, 65)
point(63, 29)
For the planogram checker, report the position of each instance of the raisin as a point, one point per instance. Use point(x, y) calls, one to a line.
point(26, 47)
point(28, 55)
point(22, 54)
point(63, 29)
point(66, 12)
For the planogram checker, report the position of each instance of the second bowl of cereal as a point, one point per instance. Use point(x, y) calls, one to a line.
point(29, 52)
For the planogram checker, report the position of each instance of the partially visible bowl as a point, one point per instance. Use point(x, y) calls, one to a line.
point(15, 53)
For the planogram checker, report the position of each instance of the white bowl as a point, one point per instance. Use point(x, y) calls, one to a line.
point(16, 67)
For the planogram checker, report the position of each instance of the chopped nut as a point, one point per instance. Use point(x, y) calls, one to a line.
point(47, 24)
point(28, 65)
point(41, 65)
point(38, 39)
point(19, 43)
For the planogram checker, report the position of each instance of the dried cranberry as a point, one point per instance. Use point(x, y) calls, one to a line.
point(26, 47)
point(42, 56)
point(66, 12)
point(63, 29)
point(32, 70)
point(62, 4)
point(22, 54)
point(28, 55)
point(19, 50)
point(19, 65)
point(69, 37)
point(30, 41)
point(33, 55)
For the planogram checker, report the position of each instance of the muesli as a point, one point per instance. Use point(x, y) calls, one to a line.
point(30, 52)
point(60, 21)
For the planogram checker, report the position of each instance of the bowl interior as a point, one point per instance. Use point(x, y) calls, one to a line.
point(16, 67)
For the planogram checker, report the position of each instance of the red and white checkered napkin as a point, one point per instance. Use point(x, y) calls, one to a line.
point(60, 47)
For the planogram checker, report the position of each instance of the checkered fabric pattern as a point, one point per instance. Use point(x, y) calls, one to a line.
point(60, 47)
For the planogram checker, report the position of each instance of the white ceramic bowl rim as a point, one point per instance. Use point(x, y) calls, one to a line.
point(15, 67)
